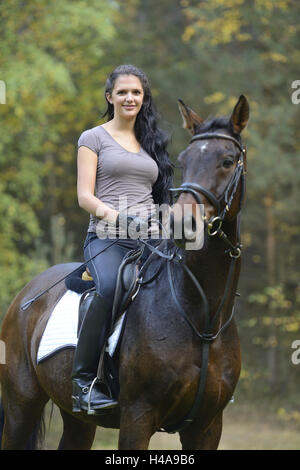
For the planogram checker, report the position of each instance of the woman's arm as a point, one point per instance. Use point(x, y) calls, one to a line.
point(86, 178)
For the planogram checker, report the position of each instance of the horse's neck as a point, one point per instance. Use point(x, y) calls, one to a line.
point(211, 267)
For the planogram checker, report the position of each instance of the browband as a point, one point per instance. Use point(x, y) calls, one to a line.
point(211, 135)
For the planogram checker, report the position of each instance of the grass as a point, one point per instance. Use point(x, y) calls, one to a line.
point(246, 427)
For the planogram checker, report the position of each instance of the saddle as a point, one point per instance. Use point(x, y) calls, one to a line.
point(126, 285)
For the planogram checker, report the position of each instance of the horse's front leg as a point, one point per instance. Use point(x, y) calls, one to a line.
point(195, 438)
point(136, 426)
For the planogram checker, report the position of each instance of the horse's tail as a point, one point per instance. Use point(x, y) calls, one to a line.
point(37, 436)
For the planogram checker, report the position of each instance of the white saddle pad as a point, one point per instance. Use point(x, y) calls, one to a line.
point(61, 329)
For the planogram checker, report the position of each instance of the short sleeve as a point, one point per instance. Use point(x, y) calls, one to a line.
point(89, 139)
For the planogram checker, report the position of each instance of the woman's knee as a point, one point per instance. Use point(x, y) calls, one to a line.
point(104, 268)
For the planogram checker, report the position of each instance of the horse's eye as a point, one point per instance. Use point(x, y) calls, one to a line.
point(227, 163)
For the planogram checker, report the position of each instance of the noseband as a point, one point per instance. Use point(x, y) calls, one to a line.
point(228, 194)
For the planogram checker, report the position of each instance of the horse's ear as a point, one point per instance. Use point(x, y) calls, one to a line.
point(240, 115)
point(190, 119)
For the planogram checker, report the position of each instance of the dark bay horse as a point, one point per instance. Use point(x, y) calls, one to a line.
point(162, 351)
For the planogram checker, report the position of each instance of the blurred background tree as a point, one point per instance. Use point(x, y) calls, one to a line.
point(54, 60)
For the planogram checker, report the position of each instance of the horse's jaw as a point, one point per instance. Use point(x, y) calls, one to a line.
point(210, 265)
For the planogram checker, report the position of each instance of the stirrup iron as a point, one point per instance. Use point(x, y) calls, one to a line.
point(90, 411)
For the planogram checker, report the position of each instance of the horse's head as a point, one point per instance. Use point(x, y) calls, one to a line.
point(213, 165)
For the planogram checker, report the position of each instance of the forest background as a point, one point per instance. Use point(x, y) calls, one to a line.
point(54, 60)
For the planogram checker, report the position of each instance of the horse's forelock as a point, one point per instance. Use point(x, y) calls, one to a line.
point(212, 124)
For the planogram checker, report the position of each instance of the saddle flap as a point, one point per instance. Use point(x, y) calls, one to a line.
point(126, 281)
point(129, 276)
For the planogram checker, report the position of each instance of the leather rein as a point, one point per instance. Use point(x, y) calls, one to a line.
point(222, 206)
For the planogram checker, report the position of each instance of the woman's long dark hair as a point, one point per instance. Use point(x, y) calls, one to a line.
point(153, 140)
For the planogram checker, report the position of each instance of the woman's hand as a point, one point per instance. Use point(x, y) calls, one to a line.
point(106, 213)
point(123, 222)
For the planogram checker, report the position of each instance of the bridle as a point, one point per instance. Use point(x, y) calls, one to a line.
point(222, 206)
point(229, 192)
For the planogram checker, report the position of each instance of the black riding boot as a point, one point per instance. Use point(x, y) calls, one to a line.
point(91, 340)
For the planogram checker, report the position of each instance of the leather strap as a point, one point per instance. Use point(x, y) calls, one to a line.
point(212, 135)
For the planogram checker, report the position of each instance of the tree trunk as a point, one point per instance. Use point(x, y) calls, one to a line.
point(271, 281)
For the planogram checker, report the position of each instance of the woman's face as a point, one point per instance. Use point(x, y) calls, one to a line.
point(127, 96)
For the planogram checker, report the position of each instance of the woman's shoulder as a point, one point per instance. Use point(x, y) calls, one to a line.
point(96, 131)
point(91, 138)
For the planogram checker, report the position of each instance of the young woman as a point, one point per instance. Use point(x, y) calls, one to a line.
point(123, 171)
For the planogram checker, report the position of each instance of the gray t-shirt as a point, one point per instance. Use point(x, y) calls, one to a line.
point(124, 179)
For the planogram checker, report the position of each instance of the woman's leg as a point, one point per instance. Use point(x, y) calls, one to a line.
point(97, 309)
point(104, 267)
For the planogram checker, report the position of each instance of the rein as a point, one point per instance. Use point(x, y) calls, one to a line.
point(214, 228)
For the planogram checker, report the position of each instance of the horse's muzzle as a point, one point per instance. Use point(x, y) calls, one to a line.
point(187, 229)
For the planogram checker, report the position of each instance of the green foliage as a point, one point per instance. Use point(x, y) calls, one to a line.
point(51, 63)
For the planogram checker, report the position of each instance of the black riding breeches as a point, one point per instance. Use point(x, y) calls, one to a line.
point(104, 267)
